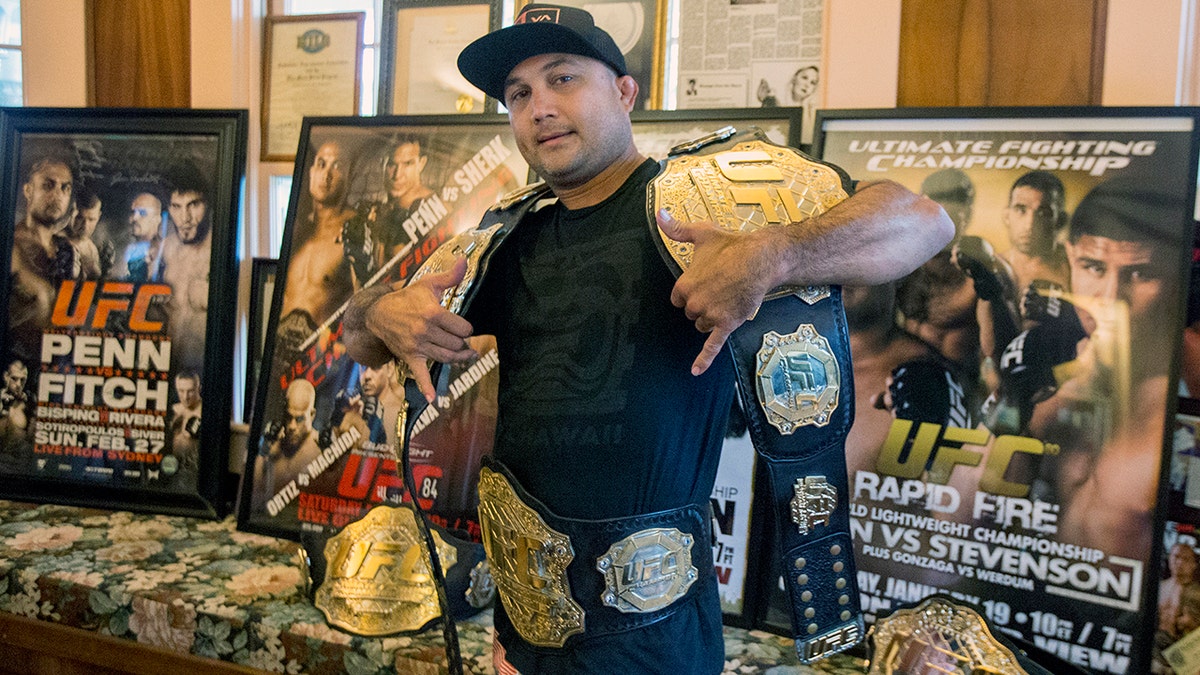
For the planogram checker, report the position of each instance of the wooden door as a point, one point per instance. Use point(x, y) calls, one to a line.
point(1001, 52)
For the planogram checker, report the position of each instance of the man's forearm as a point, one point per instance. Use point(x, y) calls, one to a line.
point(881, 233)
point(362, 345)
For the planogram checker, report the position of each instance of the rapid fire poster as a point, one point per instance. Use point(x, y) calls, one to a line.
point(117, 237)
point(1012, 394)
point(372, 199)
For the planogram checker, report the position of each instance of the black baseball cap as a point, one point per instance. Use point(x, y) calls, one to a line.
point(538, 29)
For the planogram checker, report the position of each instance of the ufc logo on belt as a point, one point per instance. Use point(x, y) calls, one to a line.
point(754, 166)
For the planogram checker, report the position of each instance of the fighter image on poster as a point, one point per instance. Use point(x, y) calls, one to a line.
point(1012, 393)
point(370, 203)
point(107, 310)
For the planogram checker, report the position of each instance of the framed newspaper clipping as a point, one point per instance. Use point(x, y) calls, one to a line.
point(418, 71)
point(372, 198)
point(118, 260)
point(1015, 396)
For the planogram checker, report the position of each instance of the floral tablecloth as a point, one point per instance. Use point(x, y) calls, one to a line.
point(201, 587)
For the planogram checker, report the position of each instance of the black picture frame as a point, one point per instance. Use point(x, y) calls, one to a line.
point(468, 162)
point(1118, 157)
point(110, 346)
point(397, 50)
point(655, 132)
point(262, 290)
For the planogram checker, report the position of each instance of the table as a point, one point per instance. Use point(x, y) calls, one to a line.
point(177, 592)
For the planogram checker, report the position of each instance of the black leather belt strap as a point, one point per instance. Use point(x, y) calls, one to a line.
point(591, 541)
point(818, 566)
point(793, 367)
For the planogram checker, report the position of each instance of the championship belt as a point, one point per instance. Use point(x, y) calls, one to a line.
point(562, 577)
point(377, 575)
point(941, 636)
point(792, 362)
point(391, 572)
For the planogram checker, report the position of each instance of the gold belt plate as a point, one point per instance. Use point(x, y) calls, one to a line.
point(754, 184)
point(529, 564)
point(377, 574)
point(938, 636)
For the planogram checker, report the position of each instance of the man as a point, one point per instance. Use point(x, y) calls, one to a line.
point(294, 448)
point(186, 253)
point(16, 433)
point(903, 377)
point(1122, 248)
point(961, 301)
point(141, 259)
point(1035, 215)
point(380, 229)
point(1181, 563)
point(77, 255)
point(47, 191)
point(1093, 381)
point(319, 273)
point(185, 427)
point(598, 365)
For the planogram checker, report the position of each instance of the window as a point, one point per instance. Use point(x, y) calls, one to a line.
point(11, 89)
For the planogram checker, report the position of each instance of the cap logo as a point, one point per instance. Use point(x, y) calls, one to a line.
point(540, 15)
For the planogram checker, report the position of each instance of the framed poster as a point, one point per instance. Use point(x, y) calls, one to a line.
point(418, 73)
point(371, 200)
point(118, 264)
point(1012, 421)
point(311, 66)
point(262, 289)
point(639, 28)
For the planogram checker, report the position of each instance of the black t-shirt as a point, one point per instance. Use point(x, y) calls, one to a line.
point(599, 414)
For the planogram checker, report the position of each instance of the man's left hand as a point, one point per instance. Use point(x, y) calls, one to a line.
point(723, 287)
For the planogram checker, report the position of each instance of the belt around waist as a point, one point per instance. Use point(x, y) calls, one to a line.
point(560, 577)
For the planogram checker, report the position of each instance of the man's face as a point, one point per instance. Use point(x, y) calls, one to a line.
point(89, 218)
point(1182, 562)
point(326, 176)
point(1107, 274)
point(403, 169)
point(188, 210)
point(299, 422)
point(188, 391)
point(15, 378)
point(145, 216)
point(48, 194)
point(569, 115)
point(1030, 222)
point(804, 83)
point(374, 380)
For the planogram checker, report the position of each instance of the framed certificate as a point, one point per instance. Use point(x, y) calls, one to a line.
point(311, 66)
point(419, 64)
point(118, 264)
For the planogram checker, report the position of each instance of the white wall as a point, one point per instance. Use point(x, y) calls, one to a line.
point(862, 53)
point(54, 50)
point(1141, 52)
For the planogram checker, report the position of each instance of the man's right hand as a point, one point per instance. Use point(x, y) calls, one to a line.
point(414, 326)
